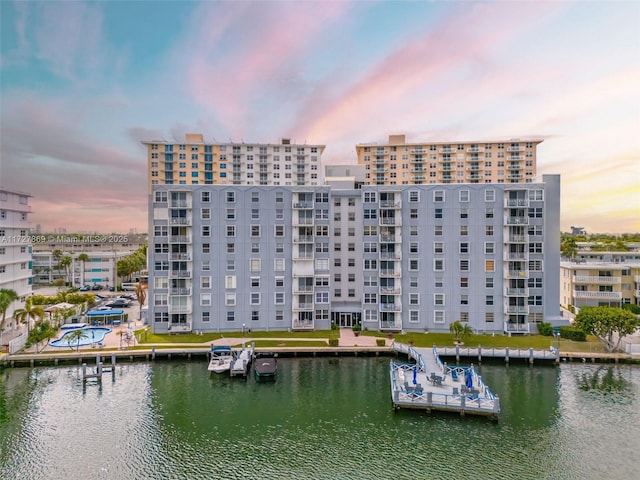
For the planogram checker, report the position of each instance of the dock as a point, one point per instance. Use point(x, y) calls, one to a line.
point(527, 354)
point(241, 361)
point(429, 384)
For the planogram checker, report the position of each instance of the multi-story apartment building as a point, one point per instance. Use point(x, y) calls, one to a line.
point(400, 163)
point(199, 162)
point(593, 284)
point(405, 257)
point(15, 248)
point(100, 268)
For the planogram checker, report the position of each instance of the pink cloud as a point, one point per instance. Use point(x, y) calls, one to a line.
point(230, 69)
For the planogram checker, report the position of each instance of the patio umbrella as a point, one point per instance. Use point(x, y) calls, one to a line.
point(469, 380)
point(415, 376)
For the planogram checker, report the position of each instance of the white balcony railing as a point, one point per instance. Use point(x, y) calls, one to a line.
point(596, 280)
point(516, 327)
point(597, 295)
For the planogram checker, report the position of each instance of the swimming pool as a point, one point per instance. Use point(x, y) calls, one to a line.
point(93, 335)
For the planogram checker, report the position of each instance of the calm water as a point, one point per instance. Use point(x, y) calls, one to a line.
point(323, 419)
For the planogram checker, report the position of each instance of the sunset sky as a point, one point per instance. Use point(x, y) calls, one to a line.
point(82, 83)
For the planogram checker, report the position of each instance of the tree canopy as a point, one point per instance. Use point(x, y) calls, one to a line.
point(605, 322)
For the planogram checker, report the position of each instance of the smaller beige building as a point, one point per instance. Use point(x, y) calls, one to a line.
point(594, 284)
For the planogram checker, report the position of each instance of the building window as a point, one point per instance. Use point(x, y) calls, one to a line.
point(279, 231)
point(205, 299)
point(488, 282)
point(255, 230)
point(255, 298)
point(438, 196)
point(489, 248)
point(438, 265)
point(490, 196)
point(414, 299)
point(464, 195)
point(230, 299)
point(463, 247)
point(464, 282)
point(488, 300)
point(231, 230)
point(231, 316)
point(437, 230)
point(255, 265)
point(438, 316)
point(438, 213)
point(464, 265)
point(488, 230)
point(489, 266)
point(438, 299)
point(414, 265)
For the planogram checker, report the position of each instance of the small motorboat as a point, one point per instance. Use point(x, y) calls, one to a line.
point(265, 367)
point(221, 358)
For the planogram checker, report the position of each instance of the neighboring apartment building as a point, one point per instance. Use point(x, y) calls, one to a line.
point(592, 284)
point(414, 258)
point(400, 163)
point(103, 251)
point(199, 162)
point(15, 248)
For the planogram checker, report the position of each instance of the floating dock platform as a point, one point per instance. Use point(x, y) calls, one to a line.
point(241, 361)
point(430, 384)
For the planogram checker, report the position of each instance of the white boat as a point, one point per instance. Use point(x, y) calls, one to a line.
point(221, 358)
point(241, 362)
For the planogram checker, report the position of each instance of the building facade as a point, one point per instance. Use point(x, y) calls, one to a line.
point(593, 284)
point(405, 257)
point(15, 249)
point(400, 163)
point(199, 162)
point(98, 268)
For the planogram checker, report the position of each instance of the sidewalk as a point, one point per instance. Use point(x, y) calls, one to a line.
point(349, 339)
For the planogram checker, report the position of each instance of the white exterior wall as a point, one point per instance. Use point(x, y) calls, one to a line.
point(15, 248)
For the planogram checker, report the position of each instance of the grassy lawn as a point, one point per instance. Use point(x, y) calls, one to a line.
point(537, 342)
point(150, 338)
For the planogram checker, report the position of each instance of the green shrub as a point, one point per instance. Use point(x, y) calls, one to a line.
point(571, 308)
point(334, 326)
point(380, 342)
point(545, 328)
point(574, 334)
point(635, 309)
point(333, 342)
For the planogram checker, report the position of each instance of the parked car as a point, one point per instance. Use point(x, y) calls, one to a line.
point(100, 296)
point(128, 297)
point(104, 307)
point(84, 288)
point(121, 303)
point(96, 287)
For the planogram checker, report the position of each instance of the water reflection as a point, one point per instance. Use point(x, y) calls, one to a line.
point(606, 379)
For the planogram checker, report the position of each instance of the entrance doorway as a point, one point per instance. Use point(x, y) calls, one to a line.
point(345, 319)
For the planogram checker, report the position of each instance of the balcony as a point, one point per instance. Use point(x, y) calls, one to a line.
point(302, 288)
point(303, 205)
point(304, 306)
point(180, 327)
point(636, 278)
point(303, 255)
point(302, 221)
point(390, 204)
point(517, 292)
point(179, 239)
point(517, 221)
point(180, 221)
point(390, 290)
point(474, 177)
point(517, 309)
point(516, 202)
point(514, 167)
point(390, 256)
point(391, 307)
point(515, 149)
point(180, 274)
point(302, 325)
point(180, 204)
point(515, 256)
point(516, 327)
point(514, 238)
point(515, 158)
point(417, 160)
point(446, 160)
point(475, 149)
point(518, 274)
point(389, 238)
point(184, 291)
point(447, 150)
point(473, 168)
point(446, 169)
point(419, 178)
point(181, 256)
point(180, 308)
point(420, 169)
point(379, 170)
point(596, 280)
point(597, 295)
point(515, 176)
point(419, 150)
point(637, 294)
point(390, 273)
point(389, 221)
point(303, 239)
point(390, 326)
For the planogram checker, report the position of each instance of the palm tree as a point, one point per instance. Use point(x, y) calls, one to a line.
point(83, 257)
point(65, 264)
point(141, 296)
point(42, 331)
point(460, 331)
point(76, 336)
point(7, 297)
point(29, 311)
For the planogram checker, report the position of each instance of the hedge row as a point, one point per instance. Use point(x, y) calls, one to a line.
point(574, 334)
